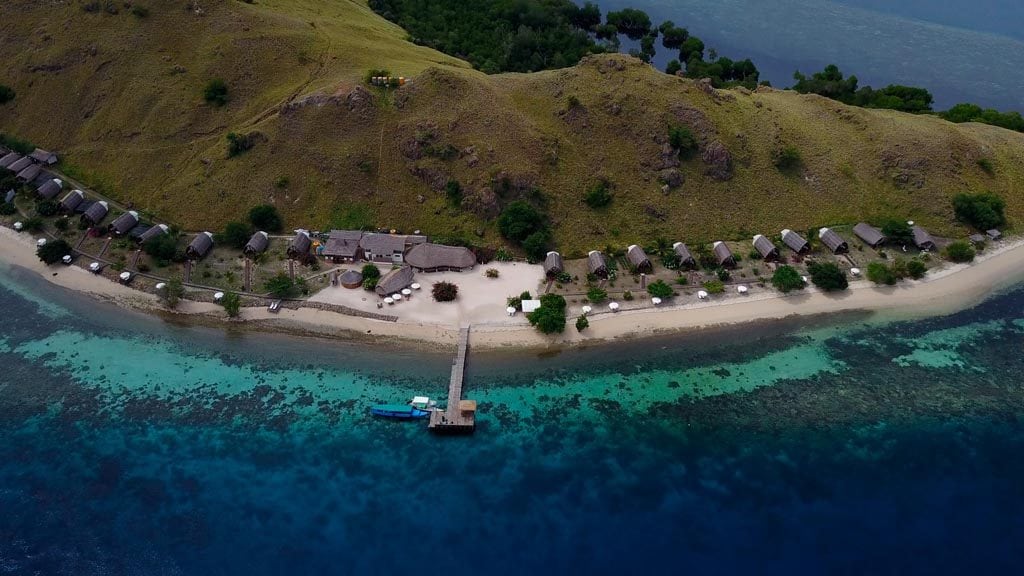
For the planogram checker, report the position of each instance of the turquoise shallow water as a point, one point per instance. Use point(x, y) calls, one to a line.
point(847, 446)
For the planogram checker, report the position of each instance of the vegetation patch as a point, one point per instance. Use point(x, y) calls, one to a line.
point(827, 276)
point(960, 251)
point(983, 211)
point(216, 92)
point(786, 279)
point(550, 317)
point(6, 94)
point(445, 292)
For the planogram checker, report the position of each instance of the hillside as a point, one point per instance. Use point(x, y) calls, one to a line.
point(120, 97)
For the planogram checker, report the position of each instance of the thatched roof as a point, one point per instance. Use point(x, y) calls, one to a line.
point(343, 244)
point(125, 222)
point(596, 264)
point(43, 157)
point(10, 158)
point(72, 200)
point(153, 232)
point(257, 244)
point(922, 239)
point(49, 189)
point(299, 247)
point(351, 279)
point(200, 245)
point(795, 241)
point(833, 241)
point(765, 247)
point(20, 164)
point(96, 212)
point(723, 254)
point(869, 234)
point(29, 173)
point(438, 256)
point(395, 280)
point(553, 264)
point(638, 258)
point(685, 257)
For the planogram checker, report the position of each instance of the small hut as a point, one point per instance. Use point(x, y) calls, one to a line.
point(95, 214)
point(199, 246)
point(553, 265)
point(343, 246)
point(977, 238)
point(833, 241)
point(869, 234)
point(596, 264)
point(300, 245)
point(43, 157)
point(722, 254)
point(153, 232)
point(20, 164)
point(124, 223)
point(765, 248)
point(686, 259)
point(10, 158)
point(795, 242)
point(351, 279)
point(638, 259)
point(72, 201)
point(50, 189)
point(256, 245)
point(922, 239)
point(994, 234)
point(29, 173)
point(395, 281)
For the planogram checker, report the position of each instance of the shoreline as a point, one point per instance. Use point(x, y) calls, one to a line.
point(949, 289)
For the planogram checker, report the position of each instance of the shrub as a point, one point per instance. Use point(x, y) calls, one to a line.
point(898, 231)
point(627, 296)
point(492, 273)
point(786, 279)
point(550, 317)
point(597, 295)
point(673, 66)
point(983, 211)
point(47, 208)
point(916, 269)
point(370, 271)
point(140, 11)
point(787, 158)
point(236, 235)
point(599, 195)
point(564, 278)
point(6, 94)
point(714, 286)
point(879, 273)
point(682, 140)
point(61, 224)
point(986, 165)
point(239, 143)
point(370, 284)
point(445, 292)
point(572, 102)
point(502, 255)
point(216, 92)
point(827, 276)
point(281, 286)
point(53, 251)
point(453, 192)
point(232, 304)
point(7, 209)
point(659, 289)
point(960, 251)
point(33, 224)
point(582, 323)
point(161, 247)
point(265, 217)
point(175, 290)
point(536, 245)
point(519, 220)
point(723, 274)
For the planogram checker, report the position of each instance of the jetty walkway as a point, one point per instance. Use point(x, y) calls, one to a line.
point(460, 415)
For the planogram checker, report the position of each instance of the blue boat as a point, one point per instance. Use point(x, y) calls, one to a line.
point(403, 411)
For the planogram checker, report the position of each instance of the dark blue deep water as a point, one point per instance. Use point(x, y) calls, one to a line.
point(133, 446)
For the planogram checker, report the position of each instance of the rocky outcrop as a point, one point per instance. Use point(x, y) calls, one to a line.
point(481, 201)
point(718, 160)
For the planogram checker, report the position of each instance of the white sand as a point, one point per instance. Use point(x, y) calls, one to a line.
point(482, 301)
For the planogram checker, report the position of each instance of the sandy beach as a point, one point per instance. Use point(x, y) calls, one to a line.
point(951, 288)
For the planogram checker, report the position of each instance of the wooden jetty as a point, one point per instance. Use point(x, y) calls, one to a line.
point(460, 415)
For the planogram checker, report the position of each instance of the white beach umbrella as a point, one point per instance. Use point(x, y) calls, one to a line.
point(66, 259)
point(855, 271)
point(655, 300)
point(741, 289)
point(511, 311)
point(804, 278)
point(389, 301)
point(41, 242)
point(614, 306)
point(218, 296)
point(702, 295)
point(125, 276)
point(587, 309)
point(396, 297)
point(406, 292)
point(161, 286)
point(18, 226)
point(95, 266)
point(415, 286)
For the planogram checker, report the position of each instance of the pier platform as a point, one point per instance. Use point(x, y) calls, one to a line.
point(460, 415)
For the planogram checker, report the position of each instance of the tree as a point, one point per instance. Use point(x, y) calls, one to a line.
point(550, 317)
point(673, 66)
point(536, 245)
point(445, 291)
point(898, 231)
point(692, 47)
point(983, 211)
point(370, 271)
point(960, 251)
point(53, 251)
point(582, 323)
point(682, 140)
point(586, 17)
point(827, 276)
point(47, 207)
point(597, 295)
point(265, 217)
point(879, 273)
point(519, 220)
point(631, 22)
point(216, 92)
point(235, 235)
point(916, 269)
point(659, 289)
point(599, 195)
point(6, 94)
point(280, 286)
point(786, 279)
point(161, 247)
point(232, 304)
point(175, 290)
point(239, 143)
point(672, 36)
point(647, 50)
point(370, 284)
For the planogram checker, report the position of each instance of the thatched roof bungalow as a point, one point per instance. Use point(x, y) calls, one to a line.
point(49, 189)
point(153, 232)
point(20, 164)
point(199, 246)
point(124, 223)
point(257, 244)
point(869, 234)
point(299, 247)
point(833, 241)
point(351, 279)
point(596, 264)
point(638, 259)
point(553, 265)
point(72, 201)
point(10, 158)
point(766, 248)
point(795, 242)
point(96, 212)
point(395, 280)
point(922, 239)
point(30, 173)
point(438, 257)
point(686, 259)
point(43, 157)
point(343, 246)
point(722, 254)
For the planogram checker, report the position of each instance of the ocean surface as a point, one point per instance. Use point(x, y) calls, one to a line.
point(849, 445)
point(961, 50)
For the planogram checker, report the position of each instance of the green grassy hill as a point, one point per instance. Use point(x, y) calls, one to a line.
point(120, 97)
